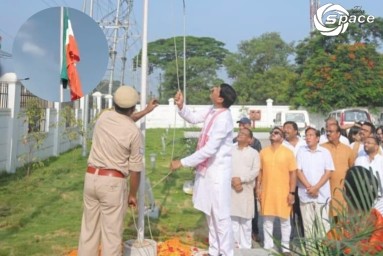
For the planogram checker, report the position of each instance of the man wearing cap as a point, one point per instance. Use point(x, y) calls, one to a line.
point(116, 153)
point(213, 161)
point(276, 188)
point(245, 122)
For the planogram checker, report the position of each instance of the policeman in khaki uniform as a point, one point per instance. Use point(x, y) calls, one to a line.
point(116, 154)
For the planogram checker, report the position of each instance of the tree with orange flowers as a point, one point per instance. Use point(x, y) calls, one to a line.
point(340, 71)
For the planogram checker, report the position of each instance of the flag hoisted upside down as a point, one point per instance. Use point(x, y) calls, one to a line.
point(70, 56)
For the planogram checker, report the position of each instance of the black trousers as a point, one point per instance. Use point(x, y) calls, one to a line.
point(296, 221)
point(254, 221)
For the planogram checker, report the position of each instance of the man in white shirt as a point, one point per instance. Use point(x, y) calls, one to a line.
point(314, 170)
point(246, 166)
point(213, 161)
point(370, 157)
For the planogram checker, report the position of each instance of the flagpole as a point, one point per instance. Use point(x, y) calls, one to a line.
point(85, 101)
point(61, 50)
point(184, 71)
point(56, 137)
point(144, 73)
point(184, 81)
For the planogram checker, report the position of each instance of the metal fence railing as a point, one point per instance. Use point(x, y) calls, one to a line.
point(3, 95)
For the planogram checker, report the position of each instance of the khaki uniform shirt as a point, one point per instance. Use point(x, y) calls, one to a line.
point(117, 144)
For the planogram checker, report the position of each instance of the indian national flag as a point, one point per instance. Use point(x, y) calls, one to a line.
point(70, 56)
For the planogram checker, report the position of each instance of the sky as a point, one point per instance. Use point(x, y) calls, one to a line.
point(230, 22)
point(36, 51)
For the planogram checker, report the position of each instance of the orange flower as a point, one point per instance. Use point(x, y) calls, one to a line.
point(73, 253)
point(173, 247)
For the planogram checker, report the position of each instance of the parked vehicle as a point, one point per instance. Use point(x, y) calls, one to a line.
point(301, 117)
point(349, 116)
point(380, 119)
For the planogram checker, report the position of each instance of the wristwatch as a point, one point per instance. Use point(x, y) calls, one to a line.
point(292, 193)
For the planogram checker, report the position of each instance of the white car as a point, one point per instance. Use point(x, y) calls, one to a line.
point(349, 116)
point(300, 117)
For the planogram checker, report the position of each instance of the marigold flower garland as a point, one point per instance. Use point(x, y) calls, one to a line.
point(174, 247)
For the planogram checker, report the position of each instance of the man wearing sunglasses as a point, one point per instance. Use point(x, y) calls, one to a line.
point(366, 130)
point(278, 170)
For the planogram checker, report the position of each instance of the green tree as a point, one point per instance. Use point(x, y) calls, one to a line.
point(34, 115)
point(369, 33)
point(204, 57)
point(350, 76)
point(73, 128)
point(340, 71)
point(261, 69)
point(103, 86)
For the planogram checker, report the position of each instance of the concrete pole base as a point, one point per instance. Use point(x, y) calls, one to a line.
point(138, 248)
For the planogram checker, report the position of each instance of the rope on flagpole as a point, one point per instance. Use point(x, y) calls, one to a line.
point(174, 129)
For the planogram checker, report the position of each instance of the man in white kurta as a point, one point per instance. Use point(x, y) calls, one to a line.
point(212, 186)
point(246, 166)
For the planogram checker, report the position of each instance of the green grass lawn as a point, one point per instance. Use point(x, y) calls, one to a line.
point(40, 214)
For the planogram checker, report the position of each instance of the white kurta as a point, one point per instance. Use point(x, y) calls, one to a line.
point(246, 166)
point(215, 185)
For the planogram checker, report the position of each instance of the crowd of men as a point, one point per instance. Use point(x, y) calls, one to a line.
point(301, 181)
point(298, 181)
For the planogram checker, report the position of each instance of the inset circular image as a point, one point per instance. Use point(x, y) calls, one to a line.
point(61, 53)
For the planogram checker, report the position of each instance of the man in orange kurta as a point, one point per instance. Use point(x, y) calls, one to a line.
point(276, 188)
point(343, 158)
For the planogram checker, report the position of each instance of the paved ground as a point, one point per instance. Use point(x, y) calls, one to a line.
point(251, 252)
point(245, 252)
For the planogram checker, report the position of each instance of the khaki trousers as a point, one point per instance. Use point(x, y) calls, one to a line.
point(105, 202)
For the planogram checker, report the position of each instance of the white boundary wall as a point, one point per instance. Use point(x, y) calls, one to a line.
point(165, 116)
point(13, 126)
